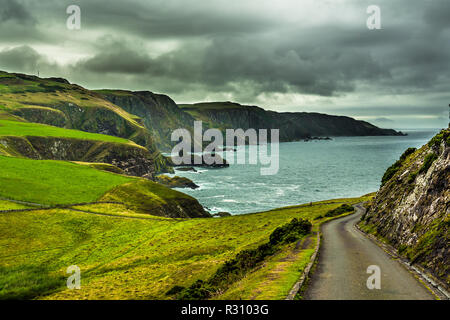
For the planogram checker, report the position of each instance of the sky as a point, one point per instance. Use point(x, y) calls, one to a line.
point(284, 55)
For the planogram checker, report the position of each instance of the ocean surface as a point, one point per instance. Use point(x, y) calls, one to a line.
point(308, 172)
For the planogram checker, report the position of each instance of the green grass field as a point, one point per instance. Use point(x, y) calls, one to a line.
point(141, 257)
point(22, 129)
point(54, 182)
point(10, 205)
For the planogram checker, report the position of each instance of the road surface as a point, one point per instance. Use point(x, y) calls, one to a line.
point(341, 273)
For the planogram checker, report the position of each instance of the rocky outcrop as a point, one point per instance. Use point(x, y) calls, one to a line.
point(204, 161)
point(43, 115)
point(175, 182)
point(411, 210)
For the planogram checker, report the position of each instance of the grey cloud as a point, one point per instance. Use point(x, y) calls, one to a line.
point(437, 14)
point(243, 50)
point(22, 59)
point(15, 10)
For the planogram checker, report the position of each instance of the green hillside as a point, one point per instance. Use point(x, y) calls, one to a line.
point(22, 129)
point(53, 182)
point(124, 255)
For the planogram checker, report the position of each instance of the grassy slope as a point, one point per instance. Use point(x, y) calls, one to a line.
point(53, 182)
point(10, 205)
point(19, 92)
point(123, 258)
point(22, 129)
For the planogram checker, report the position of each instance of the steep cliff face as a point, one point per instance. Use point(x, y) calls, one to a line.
point(293, 125)
point(158, 113)
point(411, 210)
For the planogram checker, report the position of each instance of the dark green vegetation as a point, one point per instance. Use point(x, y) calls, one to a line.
point(345, 208)
point(126, 255)
point(246, 260)
point(176, 182)
point(392, 170)
point(437, 140)
point(427, 162)
point(411, 213)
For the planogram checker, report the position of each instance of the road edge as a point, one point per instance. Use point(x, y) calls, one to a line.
point(299, 286)
point(306, 272)
point(420, 274)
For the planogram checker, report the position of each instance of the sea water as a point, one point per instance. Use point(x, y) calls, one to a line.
point(308, 171)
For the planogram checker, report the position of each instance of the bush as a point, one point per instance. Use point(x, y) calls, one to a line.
point(428, 161)
point(340, 210)
point(198, 291)
point(291, 231)
point(392, 170)
point(175, 290)
point(412, 177)
point(436, 140)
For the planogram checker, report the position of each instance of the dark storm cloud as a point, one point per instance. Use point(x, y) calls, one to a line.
point(326, 60)
point(23, 58)
point(14, 10)
point(437, 15)
point(243, 59)
point(162, 19)
point(248, 51)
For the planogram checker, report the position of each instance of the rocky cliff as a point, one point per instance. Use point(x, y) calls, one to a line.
point(411, 210)
point(158, 113)
point(293, 125)
point(161, 116)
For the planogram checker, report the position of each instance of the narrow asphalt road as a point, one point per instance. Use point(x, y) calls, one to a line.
point(341, 272)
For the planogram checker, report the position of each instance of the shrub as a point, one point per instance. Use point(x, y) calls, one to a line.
point(198, 291)
point(436, 140)
point(174, 290)
point(428, 161)
point(291, 231)
point(392, 170)
point(412, 177)
point(340, 210)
